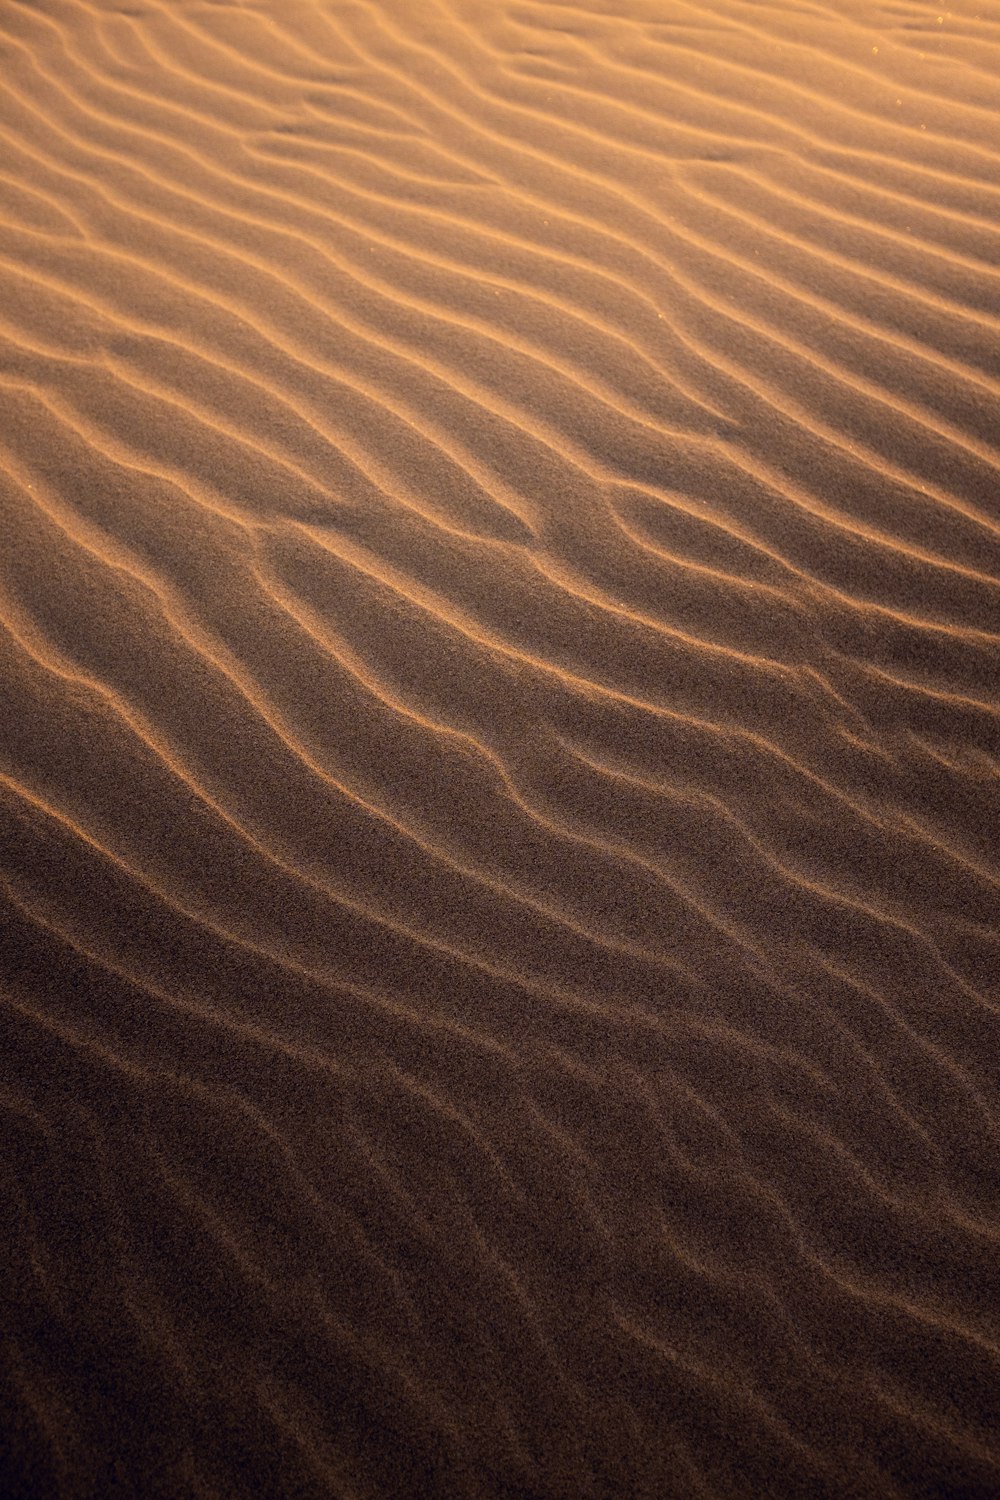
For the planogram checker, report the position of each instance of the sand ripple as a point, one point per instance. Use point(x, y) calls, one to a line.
point(499, 641)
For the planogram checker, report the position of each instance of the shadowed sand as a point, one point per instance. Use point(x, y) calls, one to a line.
point(499, 654)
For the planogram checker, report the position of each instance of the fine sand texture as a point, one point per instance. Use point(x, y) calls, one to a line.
point(499, 749)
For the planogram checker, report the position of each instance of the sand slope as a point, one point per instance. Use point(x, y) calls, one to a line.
point(499, 653)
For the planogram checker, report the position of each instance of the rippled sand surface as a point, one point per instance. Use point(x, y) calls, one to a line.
point(499, 662)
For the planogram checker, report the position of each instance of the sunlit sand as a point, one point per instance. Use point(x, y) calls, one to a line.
point(499, 661)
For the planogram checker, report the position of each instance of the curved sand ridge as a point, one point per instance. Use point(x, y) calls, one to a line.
point(499, 639)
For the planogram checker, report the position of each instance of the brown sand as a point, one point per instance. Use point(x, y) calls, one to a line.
point(500, 604)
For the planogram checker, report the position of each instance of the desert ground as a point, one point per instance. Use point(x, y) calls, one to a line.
point(499, 749)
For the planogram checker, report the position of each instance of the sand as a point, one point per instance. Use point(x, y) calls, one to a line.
point(499, 803)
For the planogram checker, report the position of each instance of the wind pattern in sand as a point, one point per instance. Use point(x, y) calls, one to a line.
point(499, 655)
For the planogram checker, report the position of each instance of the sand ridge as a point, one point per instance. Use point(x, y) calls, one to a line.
point(499, 645)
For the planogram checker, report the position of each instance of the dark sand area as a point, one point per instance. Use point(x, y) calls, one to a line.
point(499, 749)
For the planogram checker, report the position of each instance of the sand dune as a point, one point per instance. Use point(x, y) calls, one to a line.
point(499, 645)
